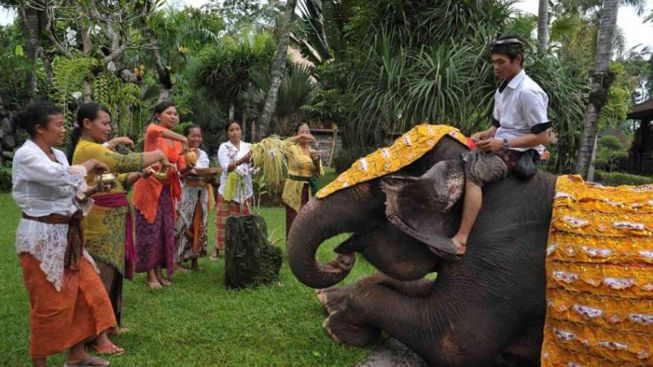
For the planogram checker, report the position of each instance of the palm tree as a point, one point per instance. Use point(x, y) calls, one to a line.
point(543, 26)
point(224, 72)
point(601, 80)
point(296, 91)
point(277, 68)
point(174, 35)
point(320, 31)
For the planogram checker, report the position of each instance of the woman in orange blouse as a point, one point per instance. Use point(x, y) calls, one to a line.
point(155, 199)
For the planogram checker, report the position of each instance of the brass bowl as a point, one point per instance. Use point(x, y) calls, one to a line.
point(106, 178)
point(161, 174)
point(106, 181)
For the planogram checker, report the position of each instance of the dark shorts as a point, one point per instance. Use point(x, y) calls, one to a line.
point(483, 168)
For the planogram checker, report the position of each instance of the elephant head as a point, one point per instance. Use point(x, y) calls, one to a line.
point(396, 231)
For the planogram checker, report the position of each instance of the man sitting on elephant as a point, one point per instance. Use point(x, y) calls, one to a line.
point(519, 128)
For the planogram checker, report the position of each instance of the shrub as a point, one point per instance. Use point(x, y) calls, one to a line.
point(5, 177)
point(611, 154)
point(620, 178)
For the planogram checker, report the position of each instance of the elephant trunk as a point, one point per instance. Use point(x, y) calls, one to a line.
point(352, 210)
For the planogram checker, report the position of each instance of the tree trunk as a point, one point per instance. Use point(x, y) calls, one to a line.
point(31, 28)
point(162, 71)
point(590, 170)
point(543, 26)
point(163, 75)
point(601, 80)
point(278, 69)
point(164, 95)
point(87, 89)
point(249, 259)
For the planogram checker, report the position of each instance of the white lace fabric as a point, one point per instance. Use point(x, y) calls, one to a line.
point(47, 243)
point(42, 187)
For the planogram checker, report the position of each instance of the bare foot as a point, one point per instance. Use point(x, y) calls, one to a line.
point(90, 361)
point(160, 278)
point(461, 244)
point(152, 280)
point(121, 330)
point(180, 268)
point(165, 282)
point(78, 355)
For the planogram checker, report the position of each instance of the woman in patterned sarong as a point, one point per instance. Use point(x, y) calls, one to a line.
point(304, 167)
point(68, 304)
point(155, 199)
point(108, 227)
point(196, 202)
point(235, 192)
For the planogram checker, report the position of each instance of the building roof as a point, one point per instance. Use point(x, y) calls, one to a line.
point(642, 111)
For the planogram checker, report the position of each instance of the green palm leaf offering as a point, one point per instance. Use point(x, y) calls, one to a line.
point(269, 156)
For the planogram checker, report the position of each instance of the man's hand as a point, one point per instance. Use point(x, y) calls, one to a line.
point(492, 145)
point(478, 136)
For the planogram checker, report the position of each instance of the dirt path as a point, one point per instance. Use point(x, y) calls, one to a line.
point(391, 353)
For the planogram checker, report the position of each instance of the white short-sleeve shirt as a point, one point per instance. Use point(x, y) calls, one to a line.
point(519, 108)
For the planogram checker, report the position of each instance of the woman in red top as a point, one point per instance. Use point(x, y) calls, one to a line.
point(155, 199)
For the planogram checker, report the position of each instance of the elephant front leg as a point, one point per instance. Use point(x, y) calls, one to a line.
point(342, 328)
point(335, 298)
point(348, 307)
point(442, 334)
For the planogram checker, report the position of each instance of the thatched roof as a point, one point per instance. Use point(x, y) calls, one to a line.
point(642, 111)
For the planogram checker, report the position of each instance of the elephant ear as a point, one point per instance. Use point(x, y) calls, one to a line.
point(414, 203)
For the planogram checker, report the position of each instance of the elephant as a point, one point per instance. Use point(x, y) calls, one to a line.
point(487, 306)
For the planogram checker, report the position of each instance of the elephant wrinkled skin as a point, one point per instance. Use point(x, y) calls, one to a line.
point(490, 304)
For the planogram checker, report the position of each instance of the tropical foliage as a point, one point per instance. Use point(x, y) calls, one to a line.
point(378, 66)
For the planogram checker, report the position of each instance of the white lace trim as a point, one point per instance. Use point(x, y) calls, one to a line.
point(47, 243)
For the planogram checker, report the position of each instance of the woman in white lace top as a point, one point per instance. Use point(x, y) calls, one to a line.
point(69, 305)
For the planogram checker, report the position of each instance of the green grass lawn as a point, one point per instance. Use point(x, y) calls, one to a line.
point(196, 322)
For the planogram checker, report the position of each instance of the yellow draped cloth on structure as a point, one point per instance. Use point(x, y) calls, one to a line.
point(405, 150)
point(599, 270)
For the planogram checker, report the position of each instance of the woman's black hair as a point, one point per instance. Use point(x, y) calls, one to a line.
point(299, 124)
point(162, 106)
point(226, 127)
point(36, 113)
point(190, 127)
point(86, 111)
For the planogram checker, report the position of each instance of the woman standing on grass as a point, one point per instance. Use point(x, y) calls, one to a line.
point(235, 192)
point(304, 167)
point(196, 202)
point(68, 304)
point(108, 227)
point(155, 199)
